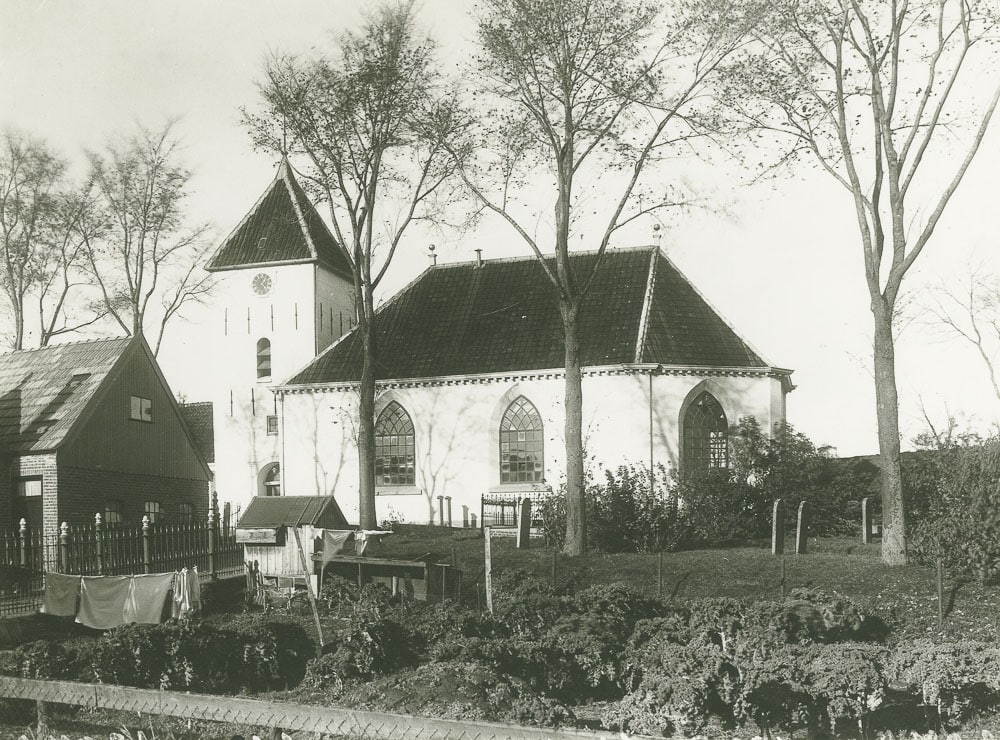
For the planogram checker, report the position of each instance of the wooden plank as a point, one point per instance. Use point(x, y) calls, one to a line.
point(261, 536)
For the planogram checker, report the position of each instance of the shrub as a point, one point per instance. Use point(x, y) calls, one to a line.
point(130, 655)
point(274, 652)
point(962, 519)
point(624, 513)
point(961, 678)
point(682, 687)
point(847, 681)
point(459, 690)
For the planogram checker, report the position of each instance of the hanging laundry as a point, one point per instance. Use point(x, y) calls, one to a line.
point(146, 597)
point(333, 542)
point(59, 596)
point(102, 601)
point(187, 592)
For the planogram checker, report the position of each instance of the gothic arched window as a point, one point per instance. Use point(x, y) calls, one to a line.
point(706, 434)
point(521, 443)
point(394, 447)
point(263, 359)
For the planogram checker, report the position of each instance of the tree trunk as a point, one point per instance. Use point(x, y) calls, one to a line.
point(887, 410)
point(366, 432)
point(576, 504)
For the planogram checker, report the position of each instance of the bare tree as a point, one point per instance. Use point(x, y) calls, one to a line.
point(145, 257)
point(367, 125)
point(589, 94)
point(30, 176)
point(969, 309)
point(882, 95)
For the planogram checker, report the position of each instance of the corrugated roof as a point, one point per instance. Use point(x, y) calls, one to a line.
point(277, 511)
point(283, 226)
point(462, 319)
point(44, 391)
point(202, 425)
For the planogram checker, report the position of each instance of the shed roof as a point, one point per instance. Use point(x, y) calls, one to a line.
point(277, 511)
point(283, 227)
point(503, 316)
point(44, 392)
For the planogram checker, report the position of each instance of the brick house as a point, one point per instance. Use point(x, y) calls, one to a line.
point(92, 427)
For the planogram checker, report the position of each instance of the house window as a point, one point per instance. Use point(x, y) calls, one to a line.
point(706, 434)
point(113, 511)
point(521, 443)
point(187, 512)
point(141, 409)
point(29, 487)
point(152, 510)
point(394, 447)
point(263, 359)
point(271, 480)
point(272, 424)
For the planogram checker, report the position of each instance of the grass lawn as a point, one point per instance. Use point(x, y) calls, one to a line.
point(907, 595)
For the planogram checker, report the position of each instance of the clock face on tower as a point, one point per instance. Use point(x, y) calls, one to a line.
point(261, 283)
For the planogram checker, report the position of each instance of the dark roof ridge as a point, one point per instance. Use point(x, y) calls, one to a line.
point(545, 255)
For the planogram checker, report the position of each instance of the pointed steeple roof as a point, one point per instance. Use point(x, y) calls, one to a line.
point(283, 227)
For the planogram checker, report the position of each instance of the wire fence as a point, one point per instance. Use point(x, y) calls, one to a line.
point(338, 722)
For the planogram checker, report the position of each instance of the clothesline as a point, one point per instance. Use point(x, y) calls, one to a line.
point(103, 602)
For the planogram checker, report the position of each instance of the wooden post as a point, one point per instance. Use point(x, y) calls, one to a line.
point(98, 544)
point(777, 528)
point(213, 535)
point(802, 530)
point(940, 589)
point(488, 571)
point(524, 523)
point(309, 587)
point(64, 547)
point(783, 583)
point(659, 576)
point(454, 557)
point(866, 524)
point(22, 527)
point(146, 546)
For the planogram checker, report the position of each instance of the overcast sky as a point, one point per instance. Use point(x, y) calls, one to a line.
point(783, 263)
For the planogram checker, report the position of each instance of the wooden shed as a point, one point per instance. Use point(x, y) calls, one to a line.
point(268, 527)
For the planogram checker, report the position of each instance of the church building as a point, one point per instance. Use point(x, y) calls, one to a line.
point(470, 372)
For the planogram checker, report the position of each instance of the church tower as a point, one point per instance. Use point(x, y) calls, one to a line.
point(284, 293)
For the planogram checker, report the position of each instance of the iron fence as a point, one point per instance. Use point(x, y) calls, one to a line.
point(110, 549)
point(499, 510)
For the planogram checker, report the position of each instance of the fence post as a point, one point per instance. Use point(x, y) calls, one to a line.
point(98, 544)
point(866, 524)
point(488, 569)
point(146, 549)
point(64, 547)
point(23, 532)
point(213, 532)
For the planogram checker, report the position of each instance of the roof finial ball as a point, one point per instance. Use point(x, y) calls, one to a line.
point(656, 234)
point(430, 252)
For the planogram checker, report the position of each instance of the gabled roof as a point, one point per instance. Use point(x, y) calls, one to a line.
point(44, 392)
point(278, 511)
point(198, 417)
point(283, 227)
point(503, 316)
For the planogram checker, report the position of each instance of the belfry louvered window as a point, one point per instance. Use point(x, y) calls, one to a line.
point(521, 443)
point(706, 434)
point(263, 359)
point(394, 447)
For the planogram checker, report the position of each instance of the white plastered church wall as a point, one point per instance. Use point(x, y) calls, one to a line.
point(456, 426)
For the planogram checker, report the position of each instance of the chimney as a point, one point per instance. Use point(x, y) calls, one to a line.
point(656, 235)
point(434, 259)
point(479, 258)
